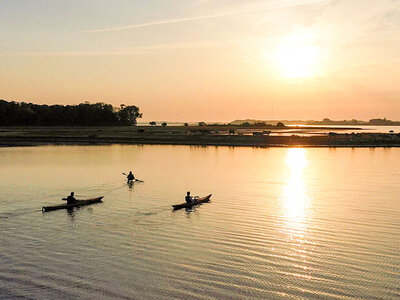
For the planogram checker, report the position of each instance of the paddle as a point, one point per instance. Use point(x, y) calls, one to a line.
point(138, 180)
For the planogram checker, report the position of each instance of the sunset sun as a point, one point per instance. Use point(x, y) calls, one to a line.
point(296, 56)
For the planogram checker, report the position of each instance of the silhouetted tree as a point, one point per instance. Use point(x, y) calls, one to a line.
point(202, 124)
point(129, 114)
point(186, 124)
point(164, 124)
point(84, 114)
point(152, 123)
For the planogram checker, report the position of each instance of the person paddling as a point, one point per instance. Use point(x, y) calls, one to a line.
point(188, 198)
point(71, 199)
point(130, 177)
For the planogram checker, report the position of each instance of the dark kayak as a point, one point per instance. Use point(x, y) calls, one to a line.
point(134, 180)
point(67, 206)
point(197, 201)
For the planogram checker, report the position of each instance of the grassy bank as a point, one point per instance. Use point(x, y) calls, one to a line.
point(193, 135)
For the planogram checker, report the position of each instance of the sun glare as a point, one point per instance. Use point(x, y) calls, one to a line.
point(297, 56)
point(295, 192)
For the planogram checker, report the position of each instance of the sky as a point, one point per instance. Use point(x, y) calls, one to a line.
point(206, 60)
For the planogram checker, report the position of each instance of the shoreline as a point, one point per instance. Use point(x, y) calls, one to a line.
point(31, 144)
point(191, 136)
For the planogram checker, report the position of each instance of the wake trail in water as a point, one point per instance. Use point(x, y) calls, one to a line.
point(18, 213)
point(104, 189)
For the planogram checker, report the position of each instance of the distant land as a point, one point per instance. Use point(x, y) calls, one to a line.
point(28, 124)
point(326, 121)
point(101, 114)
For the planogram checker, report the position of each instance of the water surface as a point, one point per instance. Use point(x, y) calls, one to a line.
point(283, 223)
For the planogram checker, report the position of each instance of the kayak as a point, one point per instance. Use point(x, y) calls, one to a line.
point(197, 201)
point(134, 180)
point(77, 204)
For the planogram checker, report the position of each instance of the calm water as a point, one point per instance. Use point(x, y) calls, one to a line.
point(283, 223)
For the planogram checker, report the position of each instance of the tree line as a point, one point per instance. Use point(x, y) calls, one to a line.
point(84, 114)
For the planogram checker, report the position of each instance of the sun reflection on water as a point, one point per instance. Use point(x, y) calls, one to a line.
point(295, 207)
point(294, 197)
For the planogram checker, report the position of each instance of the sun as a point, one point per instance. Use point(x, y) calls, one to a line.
point(297, 56)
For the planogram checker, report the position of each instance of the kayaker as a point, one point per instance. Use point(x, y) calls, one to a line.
point(130, 177)
point(71, 199)
point(188, 198)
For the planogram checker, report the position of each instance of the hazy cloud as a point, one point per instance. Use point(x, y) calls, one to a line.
point(205, 17)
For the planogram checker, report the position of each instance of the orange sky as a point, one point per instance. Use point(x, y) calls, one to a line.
point(205, 60)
